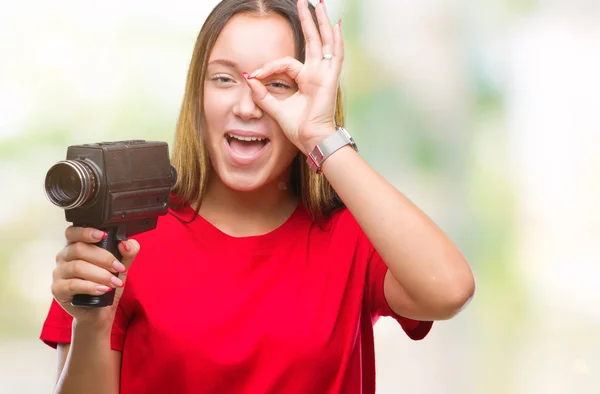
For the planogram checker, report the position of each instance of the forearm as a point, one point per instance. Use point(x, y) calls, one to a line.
point(418, 254)
point(89, 365)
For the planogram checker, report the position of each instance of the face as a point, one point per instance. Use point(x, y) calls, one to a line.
point(247, 148)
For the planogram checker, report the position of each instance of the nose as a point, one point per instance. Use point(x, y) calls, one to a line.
point(245, 107)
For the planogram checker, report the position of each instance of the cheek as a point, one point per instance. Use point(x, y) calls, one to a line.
point(215, 111)
point(288, 152)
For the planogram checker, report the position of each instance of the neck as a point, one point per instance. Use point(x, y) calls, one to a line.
point(240, 213)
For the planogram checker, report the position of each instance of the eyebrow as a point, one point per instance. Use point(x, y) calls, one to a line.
point(224, 62)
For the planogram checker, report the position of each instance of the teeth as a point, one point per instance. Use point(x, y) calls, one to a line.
point(238, 137)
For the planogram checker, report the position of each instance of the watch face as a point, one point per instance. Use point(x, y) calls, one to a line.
point(316, 154)
point(331, 144)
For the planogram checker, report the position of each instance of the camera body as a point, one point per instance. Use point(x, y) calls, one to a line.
point(120, 187)
point(125, 184)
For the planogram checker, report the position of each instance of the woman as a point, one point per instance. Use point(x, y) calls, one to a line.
point(270, 271)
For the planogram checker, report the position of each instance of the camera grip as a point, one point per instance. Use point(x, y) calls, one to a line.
point(110, 243)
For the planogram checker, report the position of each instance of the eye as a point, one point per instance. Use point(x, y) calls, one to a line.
point(279, 85)
point(222, 79)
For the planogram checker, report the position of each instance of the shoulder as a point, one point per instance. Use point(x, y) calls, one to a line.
point(173, 228)
point(342, 221)
point(340, 229)
point(168, 225)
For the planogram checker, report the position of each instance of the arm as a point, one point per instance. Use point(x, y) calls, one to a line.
point(428, 278)
point(88, 365)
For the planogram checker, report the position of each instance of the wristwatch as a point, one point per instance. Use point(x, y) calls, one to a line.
point(328, 146)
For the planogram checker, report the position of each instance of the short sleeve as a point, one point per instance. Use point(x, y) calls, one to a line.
point(57, 327)
point(376, 270)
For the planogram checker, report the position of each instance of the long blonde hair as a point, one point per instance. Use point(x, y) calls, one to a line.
point(190, 156)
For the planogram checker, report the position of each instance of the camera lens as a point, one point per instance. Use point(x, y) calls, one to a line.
point(70, 184)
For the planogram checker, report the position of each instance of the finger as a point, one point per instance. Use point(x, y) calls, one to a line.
point(262, 97)
point(65, 289)
point(287, 65)
point(338, 44)
point(311, 34)
point(79, 269)
point(325, 29)
point(129, 250)
point(92, 254)
point(84, 234)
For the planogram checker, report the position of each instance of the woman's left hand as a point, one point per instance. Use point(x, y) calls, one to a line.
point(306, 117)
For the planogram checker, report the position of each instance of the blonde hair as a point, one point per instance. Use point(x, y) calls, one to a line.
point(190, 156)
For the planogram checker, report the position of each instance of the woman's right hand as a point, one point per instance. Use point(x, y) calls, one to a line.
point(85, 268)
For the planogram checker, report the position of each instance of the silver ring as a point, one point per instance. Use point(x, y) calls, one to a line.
point(327, 56)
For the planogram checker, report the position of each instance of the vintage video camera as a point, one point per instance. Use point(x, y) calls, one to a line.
point(119, 187)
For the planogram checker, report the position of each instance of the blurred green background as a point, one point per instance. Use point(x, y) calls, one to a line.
point(484, 113)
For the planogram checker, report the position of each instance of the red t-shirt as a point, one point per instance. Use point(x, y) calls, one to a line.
point(289, 312)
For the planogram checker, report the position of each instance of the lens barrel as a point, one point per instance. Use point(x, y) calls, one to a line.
point(70, 184)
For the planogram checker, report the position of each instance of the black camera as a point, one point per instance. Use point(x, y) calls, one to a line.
point(119, 187)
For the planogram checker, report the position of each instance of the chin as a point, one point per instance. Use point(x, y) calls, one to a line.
point(243, 181)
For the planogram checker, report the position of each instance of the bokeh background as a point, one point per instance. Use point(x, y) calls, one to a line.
point(485, 113)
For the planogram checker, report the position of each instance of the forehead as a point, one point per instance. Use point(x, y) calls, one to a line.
point(254, 40)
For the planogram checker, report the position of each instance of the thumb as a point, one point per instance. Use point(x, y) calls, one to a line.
point(262, 97)
point(129, 250)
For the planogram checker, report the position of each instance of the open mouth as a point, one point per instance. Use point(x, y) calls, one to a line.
point(246, 146)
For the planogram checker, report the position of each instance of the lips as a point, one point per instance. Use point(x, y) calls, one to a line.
point(245, 148)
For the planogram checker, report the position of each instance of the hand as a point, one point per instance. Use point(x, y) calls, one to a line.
point(83, 268)
point(306, 117)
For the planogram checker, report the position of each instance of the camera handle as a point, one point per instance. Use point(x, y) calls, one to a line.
point(110, 243)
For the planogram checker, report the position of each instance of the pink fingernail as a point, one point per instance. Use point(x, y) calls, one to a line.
point(116, 282)
point(118, 266)
point(103, 289)
point(256, 73)
point(247, 76)
point(97, 234)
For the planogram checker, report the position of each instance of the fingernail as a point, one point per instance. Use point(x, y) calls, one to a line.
point(103, 289)
point(256, 73)
point(97, 234)
point(125, 245)
point(118, 266)
point(247, 76)
point(116, 281)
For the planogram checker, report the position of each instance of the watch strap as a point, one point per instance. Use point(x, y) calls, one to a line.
point(332, 143)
